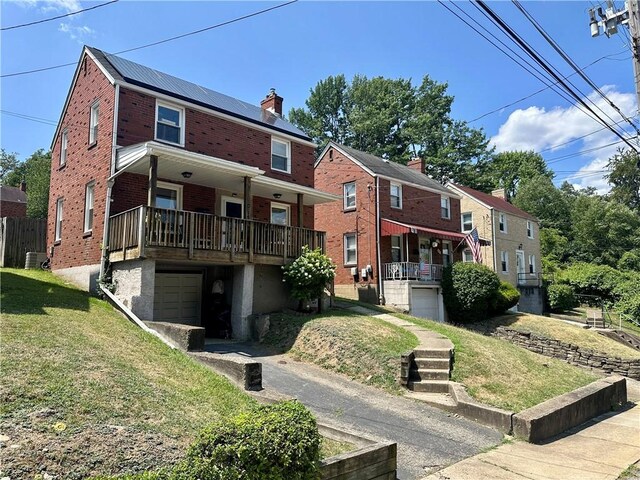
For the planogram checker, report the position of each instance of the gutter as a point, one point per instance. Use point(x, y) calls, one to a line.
point(380, 280)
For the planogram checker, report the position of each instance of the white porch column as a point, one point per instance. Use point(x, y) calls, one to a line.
point(242, 301)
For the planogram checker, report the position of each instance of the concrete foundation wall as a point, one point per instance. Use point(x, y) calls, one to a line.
point(84, 277)
point(397, 294)
point(271, 294)
point(242, 302)
point(531, 300)
point(135, 284)
point(362, 292)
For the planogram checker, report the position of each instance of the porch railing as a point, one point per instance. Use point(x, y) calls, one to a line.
point(412, 271)
point(159, 227)
point(529, 279)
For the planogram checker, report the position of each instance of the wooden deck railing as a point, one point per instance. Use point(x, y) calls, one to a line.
point(159, 227)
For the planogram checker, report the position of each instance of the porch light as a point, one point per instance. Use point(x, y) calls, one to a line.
point(434, 244)
point(277, 196)
point(187, 174)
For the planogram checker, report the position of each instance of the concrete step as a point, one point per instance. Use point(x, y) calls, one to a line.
point(437, 363)
point(428, 374)
point(430, 386)
point(433, 353)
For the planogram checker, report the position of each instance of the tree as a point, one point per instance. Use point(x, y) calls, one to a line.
point(8, 163)
point(35, 171)
point(625, 178)
point(395, 120)
point(509, 170)
point(539, 197)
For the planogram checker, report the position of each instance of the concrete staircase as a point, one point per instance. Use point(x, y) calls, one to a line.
point(430, 368)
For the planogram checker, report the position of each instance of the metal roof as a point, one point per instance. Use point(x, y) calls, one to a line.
point(140, 75)
point(393, 170)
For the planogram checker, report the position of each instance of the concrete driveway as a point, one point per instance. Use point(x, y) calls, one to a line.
point(428, 439)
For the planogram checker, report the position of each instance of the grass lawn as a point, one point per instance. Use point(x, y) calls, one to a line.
point(363, 348)
point(564, 332)
point(504, 375)
point(86, 392)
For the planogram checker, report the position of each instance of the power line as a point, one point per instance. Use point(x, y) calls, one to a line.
point(59, 16)
point(218, 25)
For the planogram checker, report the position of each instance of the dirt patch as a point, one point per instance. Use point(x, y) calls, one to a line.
point(39, 444)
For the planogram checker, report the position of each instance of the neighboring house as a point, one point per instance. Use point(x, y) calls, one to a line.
point(13, 201)
point(392, 233)
point(193, 199)
point(514, 253)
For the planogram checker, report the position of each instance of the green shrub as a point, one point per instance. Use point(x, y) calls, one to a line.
point(590, 279)
point(468, 291)
point(309, 274)
point(630, 305)
point(630, 260)
point(272, 442)
point(561, 297)
point(506, 297)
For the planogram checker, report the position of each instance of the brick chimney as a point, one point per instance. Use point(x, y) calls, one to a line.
point(500, 193)
point(272, 102)
point(23, 186)
point(417, 163)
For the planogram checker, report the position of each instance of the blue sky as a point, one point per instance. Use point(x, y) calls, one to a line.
point(293, 47)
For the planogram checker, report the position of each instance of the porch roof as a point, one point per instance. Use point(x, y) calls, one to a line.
point(391, 227)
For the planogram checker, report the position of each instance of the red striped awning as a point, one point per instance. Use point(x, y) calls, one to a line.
point(391, 227)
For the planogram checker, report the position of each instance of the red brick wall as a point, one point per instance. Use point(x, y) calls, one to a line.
point(420, 207)
point(212, 136)
point(12, 209)
point(84, 163)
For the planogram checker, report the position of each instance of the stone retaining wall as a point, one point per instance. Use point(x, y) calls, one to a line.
point(571, 353)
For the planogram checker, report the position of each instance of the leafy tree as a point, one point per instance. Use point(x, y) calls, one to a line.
point(8, 163)
point(35, 171)
point(625, 178)
point(542, 199)
point(554, 246)
point(509, 170)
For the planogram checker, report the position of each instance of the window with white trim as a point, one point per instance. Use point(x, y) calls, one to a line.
point(350, 249)
point(445, 207)
point(94, 115)
point(88, 206)
point(466, 220)
point(169, 123)
point(168, 195)
point(529, 229)
point(467, 256)
point(502, 222)
point(59, 208)
point(349, 195)
point(396, 248)
point(279, 213)
point(447, 253)
point(64, 143)
point(395, 193)
point(504, 262)
point(280, 155)
point(532, 264)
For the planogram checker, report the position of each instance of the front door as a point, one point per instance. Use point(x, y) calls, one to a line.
point(520, 265)
point(425, 259)
point(231, 232)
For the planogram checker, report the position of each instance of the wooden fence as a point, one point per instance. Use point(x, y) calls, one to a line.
point(19, 235)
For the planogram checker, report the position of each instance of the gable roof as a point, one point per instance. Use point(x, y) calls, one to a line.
point(12, 194)
point(377, 166)
point(493, 202)
point(127, 72)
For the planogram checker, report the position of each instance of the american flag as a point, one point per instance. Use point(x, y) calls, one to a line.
point(473, 241)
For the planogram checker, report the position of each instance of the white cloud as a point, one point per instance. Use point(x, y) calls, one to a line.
point(76, 33)
point(66, 6)
point(536, 128)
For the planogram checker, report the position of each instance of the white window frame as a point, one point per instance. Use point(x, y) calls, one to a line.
point(532, 264)
point(399, 247)
point(172, 186)
point(59, 217)
point(399, 196)
point(281, 206)
point(346, 197)
point(89, 201)
point(462, 222)
point(467, 255)
point(447, 201)
point(94, 122)
point(64, 144)
point(448, 246)
point(355, 249)
point(529, 229)
point(180, 110)
point(502, 222)
point(223, 204)
point(504, 261)
point(287, 144)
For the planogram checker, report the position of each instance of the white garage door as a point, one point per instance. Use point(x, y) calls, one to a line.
point(178, 298)
point(424, 303)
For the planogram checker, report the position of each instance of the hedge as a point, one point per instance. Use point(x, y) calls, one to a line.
point(469, 290)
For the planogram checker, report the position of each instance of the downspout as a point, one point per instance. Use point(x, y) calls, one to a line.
point(380, 280)
point(112, 169)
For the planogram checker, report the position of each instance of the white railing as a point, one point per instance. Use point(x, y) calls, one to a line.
point(412, 271)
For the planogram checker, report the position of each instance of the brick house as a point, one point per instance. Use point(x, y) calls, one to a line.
point(514, 253)
point(393, 232)
point(13, 201)
point(180, 191)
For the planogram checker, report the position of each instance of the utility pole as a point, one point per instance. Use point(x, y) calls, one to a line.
point(609, 21)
